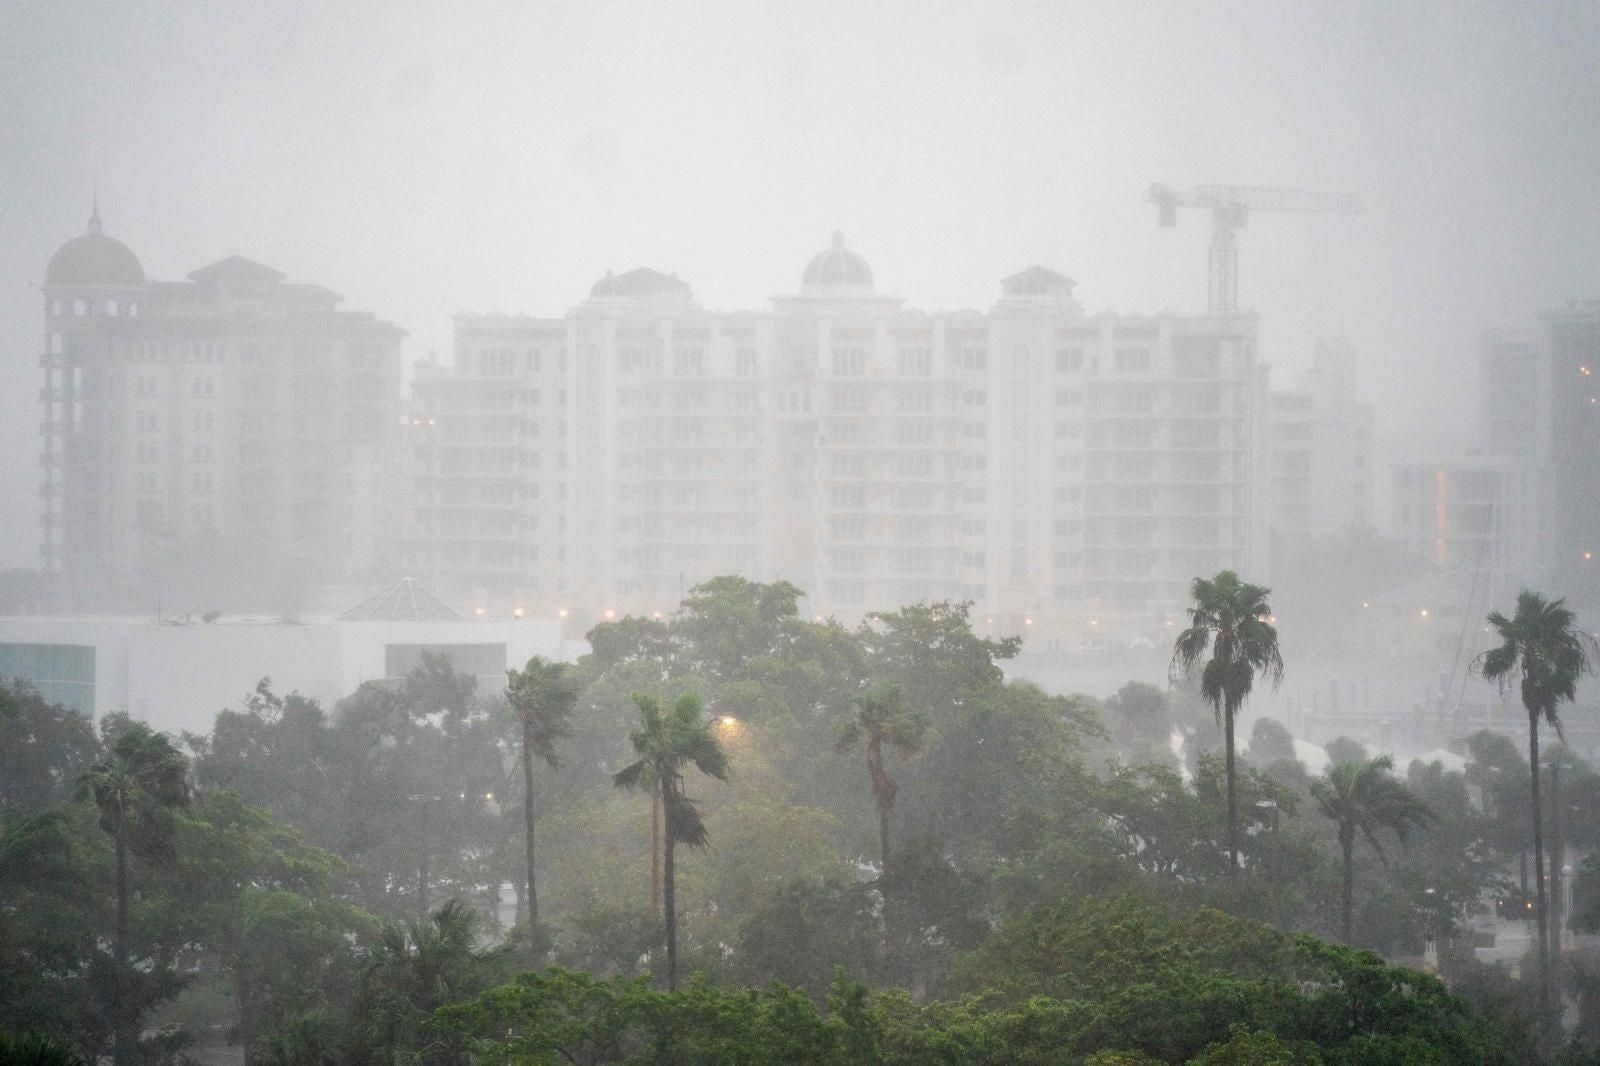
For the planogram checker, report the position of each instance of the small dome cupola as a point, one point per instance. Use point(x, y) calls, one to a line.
point(94, 261)
point(836, 269)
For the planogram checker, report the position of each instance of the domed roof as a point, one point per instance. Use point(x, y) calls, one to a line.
point(838, 267)
point(94, 259)
point(642, 284)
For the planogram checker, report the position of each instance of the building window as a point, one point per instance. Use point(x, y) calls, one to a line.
point(916, 362)
point(1133, 360)
point(849, 362)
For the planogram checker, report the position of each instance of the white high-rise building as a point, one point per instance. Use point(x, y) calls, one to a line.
point(1069, 473)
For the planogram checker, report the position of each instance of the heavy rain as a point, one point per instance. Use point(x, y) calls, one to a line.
point(896, 533)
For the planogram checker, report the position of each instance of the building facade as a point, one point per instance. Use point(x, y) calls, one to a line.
point(1319, 457)
point(1069, 473)
point(225, 441)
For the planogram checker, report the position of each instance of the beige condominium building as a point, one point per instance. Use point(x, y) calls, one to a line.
point(1068, 473)
point(224, 442)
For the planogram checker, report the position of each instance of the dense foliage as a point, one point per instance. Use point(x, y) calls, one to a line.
point(354, 885)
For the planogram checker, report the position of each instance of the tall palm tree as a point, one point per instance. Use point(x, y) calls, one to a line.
point(1229, 617)
point(1364, 797)
point(667, 741)
point(542, 697)
point(136, 788)
point(882, 717)
point(1543, 647)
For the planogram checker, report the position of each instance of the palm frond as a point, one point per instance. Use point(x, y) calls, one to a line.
point(630, 777)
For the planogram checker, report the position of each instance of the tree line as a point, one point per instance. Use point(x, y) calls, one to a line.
point(862, 810)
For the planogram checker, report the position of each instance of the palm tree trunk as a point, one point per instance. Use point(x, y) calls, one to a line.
point(670, 900)
point(1347, 923)
point(1233, 795)
point(123, 1035)
point(527, 817)
point(1538, 864)
point(880, 792)
point(422, 883)
point(655, 853)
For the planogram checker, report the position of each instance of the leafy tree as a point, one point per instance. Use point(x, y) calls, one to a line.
point(666, 742)
point(1346, 749)
point(932, 912)
point(807, 930)
point(32, 1050)
point(136, 789)
point(55, 908)
point(1140, 719)
point(44, 749)
point(1271, 744)
point(729, 622)
point(1229, 617)
point(931, 651)
point(415, 969)
point(1543, 647)
point(255, 901)
point(882, 717)
point(1365, 798)
point(542, 698)
point(608, 939)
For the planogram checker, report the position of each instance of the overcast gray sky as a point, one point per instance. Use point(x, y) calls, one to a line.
point(425, 159)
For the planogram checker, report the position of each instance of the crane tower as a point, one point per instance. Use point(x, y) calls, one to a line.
point(1230, 206)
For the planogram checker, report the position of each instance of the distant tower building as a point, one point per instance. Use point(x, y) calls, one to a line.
point(222, 442)
point(1319, 456)
point(1574, 456)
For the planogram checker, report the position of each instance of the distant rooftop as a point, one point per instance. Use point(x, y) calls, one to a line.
point(406, 602)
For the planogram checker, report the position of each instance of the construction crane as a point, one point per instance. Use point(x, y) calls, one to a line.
point(1230, 205)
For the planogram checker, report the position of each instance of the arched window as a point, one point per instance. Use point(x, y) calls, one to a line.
point(133, 308)
point(111, 307)
point(79, 306)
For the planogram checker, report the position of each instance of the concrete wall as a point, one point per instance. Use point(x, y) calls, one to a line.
point(177, 677)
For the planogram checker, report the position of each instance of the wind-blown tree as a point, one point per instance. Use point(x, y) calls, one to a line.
point(1229, 617)
point(882, 717)
point(542, 698)
point(412, 971)
point(666, 742)
point(136, 789)
point(1365, 797)
point(1542, 647)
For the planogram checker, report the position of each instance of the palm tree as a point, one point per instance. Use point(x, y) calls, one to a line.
point(542, 697)
point(1543, 647)
point(136, 788)
point(414, 969)
point(881, 715)
point(1229, 617)
point(1364, 797)
point(667, 741)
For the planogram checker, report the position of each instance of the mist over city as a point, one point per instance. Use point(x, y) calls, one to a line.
point(893, 533)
